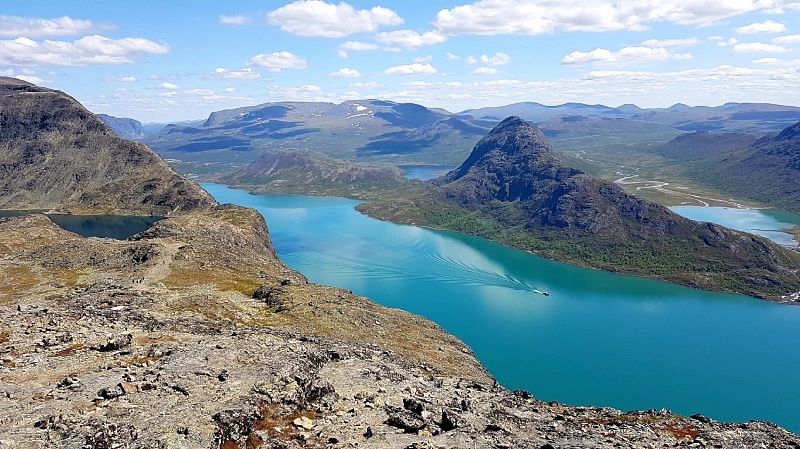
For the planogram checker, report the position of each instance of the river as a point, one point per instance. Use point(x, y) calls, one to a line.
point(597, 339)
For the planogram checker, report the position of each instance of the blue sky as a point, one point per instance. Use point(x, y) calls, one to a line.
point(169, 61)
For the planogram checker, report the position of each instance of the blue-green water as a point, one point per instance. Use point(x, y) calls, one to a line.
point(598, 339)
point(766, 223)
point(118, 227)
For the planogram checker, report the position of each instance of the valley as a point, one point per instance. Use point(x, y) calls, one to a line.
point(200, 321)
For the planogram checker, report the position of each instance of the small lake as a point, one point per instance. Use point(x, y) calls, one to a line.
point(598, 339)
point(764, 222)
point(425, 172)
point(118, 227)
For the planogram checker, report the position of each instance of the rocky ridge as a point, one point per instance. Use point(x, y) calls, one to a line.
point(193, 334)
point(58, 156)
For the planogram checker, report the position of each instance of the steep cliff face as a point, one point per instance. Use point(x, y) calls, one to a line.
point(54, 154)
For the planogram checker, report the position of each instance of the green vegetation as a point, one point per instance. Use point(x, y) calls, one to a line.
point(681, 261)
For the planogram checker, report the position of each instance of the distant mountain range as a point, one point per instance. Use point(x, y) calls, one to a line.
point(127, 128)
point(373, 130)
point(390, 133)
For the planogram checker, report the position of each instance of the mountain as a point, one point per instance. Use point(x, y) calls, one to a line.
point(127, 128)
point(363, 131)
point(194, 334)
point(514, 189)
point(57, 155)
point(763, 169)
point(310, 173)
point(730, 117)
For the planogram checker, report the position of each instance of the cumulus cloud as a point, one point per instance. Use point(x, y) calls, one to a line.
point(11, 26)
point(762, 27)
point(452, 56)
point(666, 43)
point(168, 86)
point(323, 19)
point(410, 39)
point(491, 17)
point(411, 69)
point(485, 71)
point(238, 75)
point(759, 47)
point(89, 50)
point(355, 46)
point(346, 73)
point(624, 55)
point(278, 61)
point(233, 20)
point(497, 59)
point(790, 39)
point(470, 60)
point(122, 78)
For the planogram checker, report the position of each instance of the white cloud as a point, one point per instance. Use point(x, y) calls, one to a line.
point(485, 71)
point(282, 60)
point(322, 19)
point(239, 75)
point(122, 78)
point(368, 85)
point(358, 46)
point(470, 60)
point(452, 56)
point(199, 92)
point(762, 27)
point(727, 43)
point(169, 86)
point(655, 43)
point(233, 20)
point(355, 46)
point(491, 17)
point(790, 39)
point(767, 61)
point(624, 55)
point(755, 47)
point(346, 73)
point(33, 79)
point(411, 69)
point(496, 60)
point(89, 50)
point(422, 59)
point(11, 26)
point(410, 39)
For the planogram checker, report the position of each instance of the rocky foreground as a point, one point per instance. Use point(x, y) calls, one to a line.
point(193, 334)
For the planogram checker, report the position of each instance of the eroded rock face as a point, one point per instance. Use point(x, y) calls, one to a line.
point(56, 155)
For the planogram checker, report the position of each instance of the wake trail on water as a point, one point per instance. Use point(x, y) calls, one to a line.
point(449, 271)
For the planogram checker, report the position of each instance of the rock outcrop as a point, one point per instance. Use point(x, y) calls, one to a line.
point(56, 155)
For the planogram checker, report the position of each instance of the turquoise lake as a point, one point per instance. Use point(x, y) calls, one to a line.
point(766, 223)
point(598, 339)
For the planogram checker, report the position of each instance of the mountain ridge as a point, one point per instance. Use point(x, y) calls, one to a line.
point(59, 156)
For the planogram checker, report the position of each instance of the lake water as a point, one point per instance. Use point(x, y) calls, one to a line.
point(424, 172)
point(766, 223)
point(118, 227)
point(598, 339)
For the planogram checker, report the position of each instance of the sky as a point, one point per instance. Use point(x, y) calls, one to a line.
point(171, 61)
